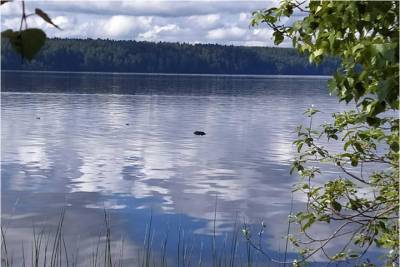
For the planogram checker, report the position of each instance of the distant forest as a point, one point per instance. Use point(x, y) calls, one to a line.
point(162, 57)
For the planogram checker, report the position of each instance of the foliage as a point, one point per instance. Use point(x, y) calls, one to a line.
point(361, 199)
point(20, 40)
point(28, 41)
point(134, 56)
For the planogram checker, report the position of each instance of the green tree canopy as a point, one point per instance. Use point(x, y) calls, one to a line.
point(139, 56)
point(361, 201)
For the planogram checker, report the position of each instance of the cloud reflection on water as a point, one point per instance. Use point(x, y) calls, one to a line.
point(133, 152)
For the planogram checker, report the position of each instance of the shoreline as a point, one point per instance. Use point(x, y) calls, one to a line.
point(259, 76)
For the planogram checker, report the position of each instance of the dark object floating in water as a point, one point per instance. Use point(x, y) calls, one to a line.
point(126, 124)
point(38, 118)
point(199, 133)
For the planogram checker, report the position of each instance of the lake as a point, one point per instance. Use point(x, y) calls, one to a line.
point(124, 143)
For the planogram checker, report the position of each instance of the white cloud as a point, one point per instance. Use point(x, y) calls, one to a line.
point(61, 21)
point(118, 26)
point(244, 16)
point(10, 23)
point(124, 26)
point(201, 21)
point(204, 21)
point(254, 43)
point(233, 33)
point(163, 8)
point(154, 33)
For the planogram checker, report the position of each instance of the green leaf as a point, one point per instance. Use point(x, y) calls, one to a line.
point(27, 42)
point(310, 220)
point(347, 144)
point(299, 146)
point(324, 218)
point(384, 50)
point(363, 37)
point(354, 161)
point(332, 85)
point(318, 52)
point(7, 34)
point(45, 17)
point(355, 204)
point(278, 37)
point(319, 8)
point(373, 121)
point(336, 206)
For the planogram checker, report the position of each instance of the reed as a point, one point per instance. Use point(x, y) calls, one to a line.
point(50, 248)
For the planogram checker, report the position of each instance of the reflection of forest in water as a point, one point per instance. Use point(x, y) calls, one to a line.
point(136, 154)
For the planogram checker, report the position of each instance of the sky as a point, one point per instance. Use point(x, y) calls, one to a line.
point(201, 21)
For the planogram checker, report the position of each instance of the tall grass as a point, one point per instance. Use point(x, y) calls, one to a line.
point(50, 249)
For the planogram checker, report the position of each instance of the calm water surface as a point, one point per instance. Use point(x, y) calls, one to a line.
point(125, 143)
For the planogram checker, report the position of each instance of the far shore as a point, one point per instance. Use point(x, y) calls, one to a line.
point(262, 76)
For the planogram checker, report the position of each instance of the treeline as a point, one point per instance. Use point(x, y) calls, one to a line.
point(162, 57)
